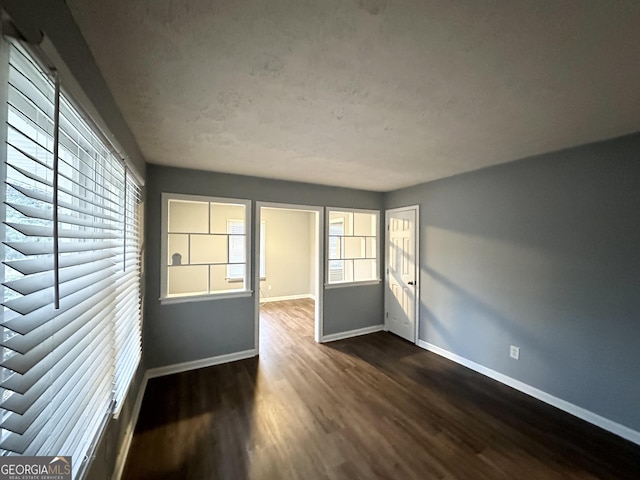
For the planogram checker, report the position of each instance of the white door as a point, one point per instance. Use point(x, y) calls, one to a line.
point(401, 292)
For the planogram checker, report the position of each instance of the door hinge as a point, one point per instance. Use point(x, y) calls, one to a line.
point(387, 315)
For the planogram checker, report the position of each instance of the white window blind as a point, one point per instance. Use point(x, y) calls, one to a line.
point(63, 369)
point(236, 267)
point(236, 249)
point(128, 315)
point(336, 268)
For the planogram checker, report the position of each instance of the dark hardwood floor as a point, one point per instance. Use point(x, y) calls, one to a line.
point(371, 407)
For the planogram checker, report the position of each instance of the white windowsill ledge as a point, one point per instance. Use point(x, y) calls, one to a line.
point(206, 297)
point(329, 286)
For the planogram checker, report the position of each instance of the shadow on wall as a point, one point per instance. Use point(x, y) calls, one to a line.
point(463, 309)
point(541, 254)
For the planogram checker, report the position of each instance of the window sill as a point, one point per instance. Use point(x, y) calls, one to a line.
point(329, 286)
point(240, 280)
point(205, 297)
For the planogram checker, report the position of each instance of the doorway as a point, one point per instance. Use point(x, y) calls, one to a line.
point(401, 297)
point(288, 260)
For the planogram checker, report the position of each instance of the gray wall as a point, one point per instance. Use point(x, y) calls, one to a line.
point(185, 332)
point(542, 253)
point(339, 303)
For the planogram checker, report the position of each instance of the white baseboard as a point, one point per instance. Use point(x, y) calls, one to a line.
point(205, 362)
point(593, 418)
point(351, 333)
point(128, 436)
point(287, 297)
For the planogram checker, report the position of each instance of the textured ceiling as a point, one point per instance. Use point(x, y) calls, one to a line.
point(372, 94)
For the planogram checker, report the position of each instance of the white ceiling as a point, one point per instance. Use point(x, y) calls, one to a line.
point(372, 94)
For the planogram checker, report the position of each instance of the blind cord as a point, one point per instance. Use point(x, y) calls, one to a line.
point(56, 246)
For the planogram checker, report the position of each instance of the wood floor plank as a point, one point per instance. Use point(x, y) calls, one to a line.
point(371, 407)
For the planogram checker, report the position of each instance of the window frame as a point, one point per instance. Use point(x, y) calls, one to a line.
point(327, 237)
point(246, 291)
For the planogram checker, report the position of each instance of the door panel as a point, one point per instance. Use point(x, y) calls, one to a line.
point(401, 285)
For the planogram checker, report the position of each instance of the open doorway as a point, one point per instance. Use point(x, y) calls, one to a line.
point(289, 270)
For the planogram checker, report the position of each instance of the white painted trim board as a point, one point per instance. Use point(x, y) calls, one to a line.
point(287, 297)
point(202, 363)
point(352, 333)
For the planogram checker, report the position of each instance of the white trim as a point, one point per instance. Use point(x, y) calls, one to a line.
point(351, 209)
point(289, 206)
point(352, 333)
point(416, 252)
point(586, 415)
point(206, 296)
point(330, 286)
point(164, 233)
point(123, 453)
point(255, 265)
point(318, 330)
point(202, 363)
point(327, 222)
point(287, 297)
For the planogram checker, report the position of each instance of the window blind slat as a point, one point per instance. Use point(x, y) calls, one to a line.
point(24, 343)
point(28, 367)
point(93, 200)
point(18, 443)
point(20, 423)
point(31, 266)
point(30, 175)
point(92, 187)
point(33, 212)
point(25, 76)
point(29, 134)
point(63, 369)
point(96, 213)
point(23, 324)
point(19, 103)
point(16, 423)
point(40, 231)
point(43, 248)
point(109, 184)
point(20, 403)
point(33, 283)
point(30, 303)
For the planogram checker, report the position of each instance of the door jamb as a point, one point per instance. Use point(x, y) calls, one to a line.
point(416, 239)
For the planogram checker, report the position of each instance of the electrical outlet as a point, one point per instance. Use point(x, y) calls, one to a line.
point(514, 352)
point(269, 287)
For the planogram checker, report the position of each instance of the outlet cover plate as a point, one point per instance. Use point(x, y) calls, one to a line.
point(514, 352)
